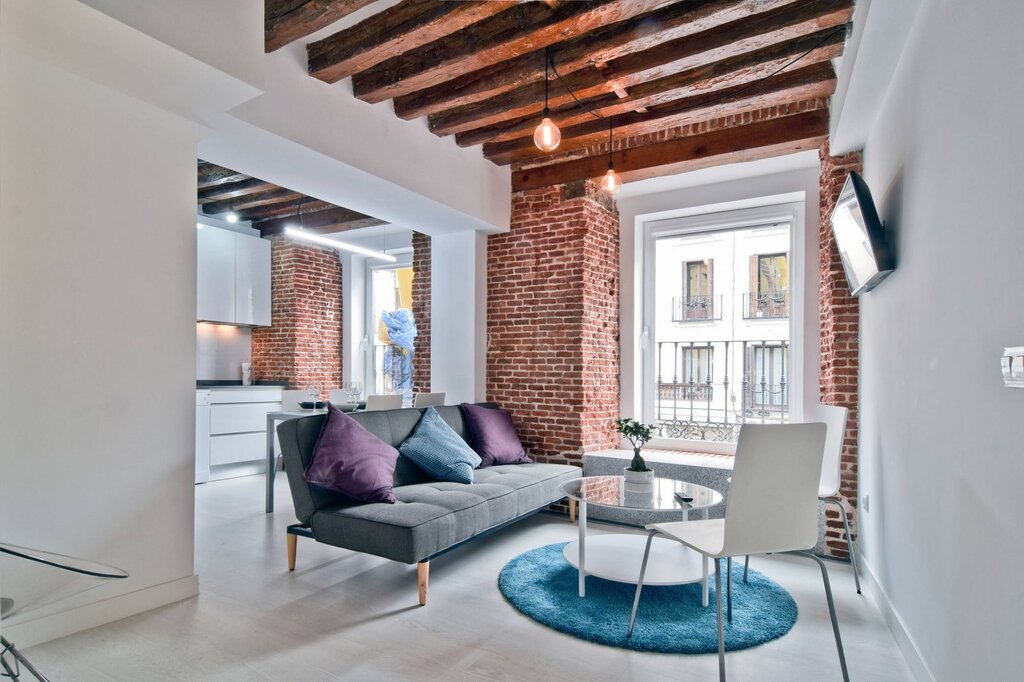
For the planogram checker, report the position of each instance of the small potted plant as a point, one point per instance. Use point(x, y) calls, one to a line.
point(637, 434)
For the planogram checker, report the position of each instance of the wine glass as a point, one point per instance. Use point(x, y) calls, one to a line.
point(353, 390)
point(313, 395)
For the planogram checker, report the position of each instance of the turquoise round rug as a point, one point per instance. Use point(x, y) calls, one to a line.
point(542, 585)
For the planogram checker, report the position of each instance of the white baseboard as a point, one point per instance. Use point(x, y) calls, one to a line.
point(64, 623)
point(904, 641)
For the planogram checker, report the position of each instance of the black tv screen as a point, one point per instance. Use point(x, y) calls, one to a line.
point(860, 237)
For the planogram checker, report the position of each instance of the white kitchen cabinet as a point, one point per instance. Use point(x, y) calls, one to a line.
point(233, 278)
point(215, 271)
point(252, 281)
point(235, 428)
point(238, 447)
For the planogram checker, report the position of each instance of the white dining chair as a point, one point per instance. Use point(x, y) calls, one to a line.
point(834, 418)
point(772, 505)
point(428, 399)
point(383, 402)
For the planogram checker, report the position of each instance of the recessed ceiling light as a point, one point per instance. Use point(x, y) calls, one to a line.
point(231, 217)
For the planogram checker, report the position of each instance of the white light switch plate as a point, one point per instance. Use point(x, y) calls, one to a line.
point(1012, 363)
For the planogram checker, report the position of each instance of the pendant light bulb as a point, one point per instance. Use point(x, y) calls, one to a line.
point(547, 135)
point(611, 182)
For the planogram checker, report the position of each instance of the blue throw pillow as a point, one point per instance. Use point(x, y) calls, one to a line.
point(437, 449)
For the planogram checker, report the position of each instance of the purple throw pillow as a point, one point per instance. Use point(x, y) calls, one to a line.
point(494, 436)
point(350, 460)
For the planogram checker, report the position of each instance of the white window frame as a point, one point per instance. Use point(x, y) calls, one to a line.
point(402, 260)
point(791, 212)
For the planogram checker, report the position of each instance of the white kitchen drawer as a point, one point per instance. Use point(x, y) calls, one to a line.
point(240, 418)
point(241, 447)
point(269, 394)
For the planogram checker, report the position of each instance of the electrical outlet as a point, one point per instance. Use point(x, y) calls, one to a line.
point(866, 503)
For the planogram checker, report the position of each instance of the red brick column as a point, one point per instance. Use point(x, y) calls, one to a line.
point(839, 342)
point(421, 311)
point(553, 320)
point(303, 344)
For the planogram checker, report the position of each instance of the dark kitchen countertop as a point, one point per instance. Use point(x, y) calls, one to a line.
point(229, 383)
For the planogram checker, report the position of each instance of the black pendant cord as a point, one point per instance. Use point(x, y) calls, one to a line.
point(611, 121)
point(547, 61)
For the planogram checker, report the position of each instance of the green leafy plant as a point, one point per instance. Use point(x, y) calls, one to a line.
point(637, 434)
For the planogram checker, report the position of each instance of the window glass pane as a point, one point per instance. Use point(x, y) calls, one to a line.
point(394, 331)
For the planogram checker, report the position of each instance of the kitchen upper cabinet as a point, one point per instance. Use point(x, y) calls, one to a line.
point(252, 281)
point(233, 278)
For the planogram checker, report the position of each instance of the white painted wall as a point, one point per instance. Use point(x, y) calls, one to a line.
point(718, 189)
point(940, 438)
point(97, 308)
point(221, 349)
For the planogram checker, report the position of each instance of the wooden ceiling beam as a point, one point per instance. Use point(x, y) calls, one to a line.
point(668, 59)
point(283, 209)
point(334, 219)
point(526, 27)
point(597, 48)
point(741, 70)
point(286, 21)
point(274, 196)
point(406, 26)
point(814, 82)
point(210, 175)
point(726, 145)
point(232, 190)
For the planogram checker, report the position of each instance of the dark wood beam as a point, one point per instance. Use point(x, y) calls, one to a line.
point(334, 219)
point(668, 59)
point(286, 21)
point(524, 28)
point(406, 26)
point(273, 196)
point(813, 82)
point(231, 190)
point(741, 70)
point(756, 140)
point(283, 209)
point(684, 18)
point(210, 174)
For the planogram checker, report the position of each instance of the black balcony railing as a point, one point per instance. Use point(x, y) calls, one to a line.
point(706, 390)
point(696, 308)
point(765, 305)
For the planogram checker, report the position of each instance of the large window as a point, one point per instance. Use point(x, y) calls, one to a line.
point(392, 330)
point(703, 381)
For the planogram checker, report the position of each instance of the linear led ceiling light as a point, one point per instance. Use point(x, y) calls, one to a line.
point(334, 243)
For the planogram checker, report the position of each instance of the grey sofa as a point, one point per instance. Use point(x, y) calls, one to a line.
point(430, 517)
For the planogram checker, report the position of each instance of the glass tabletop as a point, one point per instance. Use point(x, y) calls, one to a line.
point(658, 495)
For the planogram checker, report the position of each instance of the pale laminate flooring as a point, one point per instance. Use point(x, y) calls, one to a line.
point(343, 615)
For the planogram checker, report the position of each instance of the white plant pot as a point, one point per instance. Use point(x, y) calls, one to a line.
point(639, 477)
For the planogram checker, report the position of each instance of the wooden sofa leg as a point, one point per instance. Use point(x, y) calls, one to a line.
point(293, 541)
point(422, 575)
point(572, 510)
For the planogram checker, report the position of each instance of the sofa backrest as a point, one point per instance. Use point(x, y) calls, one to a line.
point(298, 439)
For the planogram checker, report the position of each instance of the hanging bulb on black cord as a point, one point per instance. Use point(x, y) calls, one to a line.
point(547, 135)
point(611, 182)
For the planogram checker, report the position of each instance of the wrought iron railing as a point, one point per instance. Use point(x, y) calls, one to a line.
point(760, 305)
point(705, 390)
point(696, 308)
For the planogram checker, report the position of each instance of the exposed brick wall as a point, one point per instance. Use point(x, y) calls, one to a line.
point(303, 344)
point(839, 342)
point(421, 311)
point(553, 320)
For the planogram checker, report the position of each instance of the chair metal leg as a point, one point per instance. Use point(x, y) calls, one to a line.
point(19, 660)
point(746, 567)
point(640, 583)
point(728, 586)
point(831, 613)
point(718, 609)
point(849, 541)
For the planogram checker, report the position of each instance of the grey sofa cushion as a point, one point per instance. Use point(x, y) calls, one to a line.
point(430, 517)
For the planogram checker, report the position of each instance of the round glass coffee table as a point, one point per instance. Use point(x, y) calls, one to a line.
point(617, 556)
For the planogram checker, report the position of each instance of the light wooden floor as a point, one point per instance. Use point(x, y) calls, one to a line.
point(351, 616)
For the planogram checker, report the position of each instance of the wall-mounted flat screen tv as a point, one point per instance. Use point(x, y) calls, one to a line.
point(860, 237)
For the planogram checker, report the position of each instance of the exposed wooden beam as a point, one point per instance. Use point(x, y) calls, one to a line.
point(329, 220)
point(274, 196)
point(210, 174)
point(739, 70)
point(406, 26)
point(231, 190)
point(816, 81)
point(524, 28)
point(300, 19)
point(668, 59)
point(768, 138)
point(283, 209)
point(597, 48)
